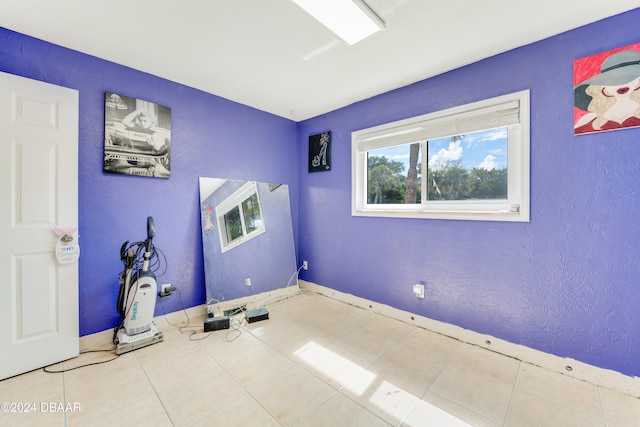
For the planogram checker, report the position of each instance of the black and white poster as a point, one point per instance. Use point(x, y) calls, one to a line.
point(320, 152)
point(137, 137)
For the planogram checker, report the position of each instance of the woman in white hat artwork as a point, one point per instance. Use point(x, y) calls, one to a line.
point(610, 99)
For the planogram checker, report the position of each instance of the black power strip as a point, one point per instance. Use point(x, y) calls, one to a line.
point(216, 323)
point(257, 314)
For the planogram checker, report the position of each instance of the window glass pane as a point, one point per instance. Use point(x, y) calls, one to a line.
point(233, 224)
point(393, 175)
point(252, 215)
point(472, 166)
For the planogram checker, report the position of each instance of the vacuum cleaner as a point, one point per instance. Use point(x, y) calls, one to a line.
point(137, 296)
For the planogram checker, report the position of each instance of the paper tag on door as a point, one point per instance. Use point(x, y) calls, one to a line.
point(67, 249)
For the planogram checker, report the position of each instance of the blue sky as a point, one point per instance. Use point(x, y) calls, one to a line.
point(485, 149)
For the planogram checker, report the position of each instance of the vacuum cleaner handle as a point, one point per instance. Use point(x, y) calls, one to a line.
point(151, 231)
point(151, 228)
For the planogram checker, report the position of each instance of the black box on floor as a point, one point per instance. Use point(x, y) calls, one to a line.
point(216, 323)
point(257, 314)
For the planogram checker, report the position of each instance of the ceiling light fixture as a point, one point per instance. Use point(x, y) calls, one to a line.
point(351, 20)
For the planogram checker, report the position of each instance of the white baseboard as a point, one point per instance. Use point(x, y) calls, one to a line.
point(570, 367)
point(178, 317)
point(106, 337)
point(254, 301)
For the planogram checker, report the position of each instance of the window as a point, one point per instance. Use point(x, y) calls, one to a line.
point(241, 217)
point(469, 162)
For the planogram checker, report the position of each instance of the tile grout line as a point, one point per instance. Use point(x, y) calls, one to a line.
point(602, 410)
point(419, 398)
point(459, 349)
point(513, 390)
point(337, 390)
point(244, 389)
point(155, 392)
point(435, 378)
point(565, 407)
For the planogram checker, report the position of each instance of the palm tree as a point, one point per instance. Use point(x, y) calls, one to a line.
point(411, 184)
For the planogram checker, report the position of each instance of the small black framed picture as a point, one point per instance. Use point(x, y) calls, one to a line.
point(320, 152)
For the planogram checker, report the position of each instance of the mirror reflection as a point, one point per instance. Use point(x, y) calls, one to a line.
point(247, 237)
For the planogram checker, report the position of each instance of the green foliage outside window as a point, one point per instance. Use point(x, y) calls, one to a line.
point(388, 183)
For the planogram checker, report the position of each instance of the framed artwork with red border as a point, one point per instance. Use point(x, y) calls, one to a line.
point(606, 89)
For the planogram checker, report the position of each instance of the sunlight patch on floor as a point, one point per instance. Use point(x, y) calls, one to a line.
point(336, 367)
point(391, 399)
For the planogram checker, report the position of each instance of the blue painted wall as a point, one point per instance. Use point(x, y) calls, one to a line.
point(566, 283)
point(211, 136)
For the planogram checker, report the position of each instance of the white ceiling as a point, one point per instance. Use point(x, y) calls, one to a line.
point(271, 55)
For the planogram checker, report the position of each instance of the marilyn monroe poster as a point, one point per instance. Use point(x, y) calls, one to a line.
point(137, 137)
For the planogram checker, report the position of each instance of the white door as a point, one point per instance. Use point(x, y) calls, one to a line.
point(38, 191)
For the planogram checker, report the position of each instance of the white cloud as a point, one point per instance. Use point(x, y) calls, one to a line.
point(487, 135)
point(489, 163)
point(440, 159)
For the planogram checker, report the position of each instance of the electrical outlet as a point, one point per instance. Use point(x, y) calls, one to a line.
point(305, 265)
point(165, 290)
point(418, 289)
point(247, 281)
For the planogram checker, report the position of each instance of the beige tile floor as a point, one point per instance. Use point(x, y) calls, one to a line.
point(314, 362)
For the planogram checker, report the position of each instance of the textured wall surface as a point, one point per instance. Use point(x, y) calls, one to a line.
point(567, 282)
point(211, 136)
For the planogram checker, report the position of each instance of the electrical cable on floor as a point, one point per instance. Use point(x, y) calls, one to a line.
point(193, 329)
point(234, 322)
point(82, 366)
point(164, 314)
point(234, 328)
point(183, 328)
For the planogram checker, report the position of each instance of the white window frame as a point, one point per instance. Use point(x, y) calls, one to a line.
point(511, 111)
point(230, 203)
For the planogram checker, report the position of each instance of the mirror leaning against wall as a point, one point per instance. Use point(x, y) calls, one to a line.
point(247, 238)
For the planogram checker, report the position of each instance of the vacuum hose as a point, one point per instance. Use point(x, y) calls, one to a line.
point(125, 279)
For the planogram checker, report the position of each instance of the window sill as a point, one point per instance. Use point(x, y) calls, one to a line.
point(467, 215)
